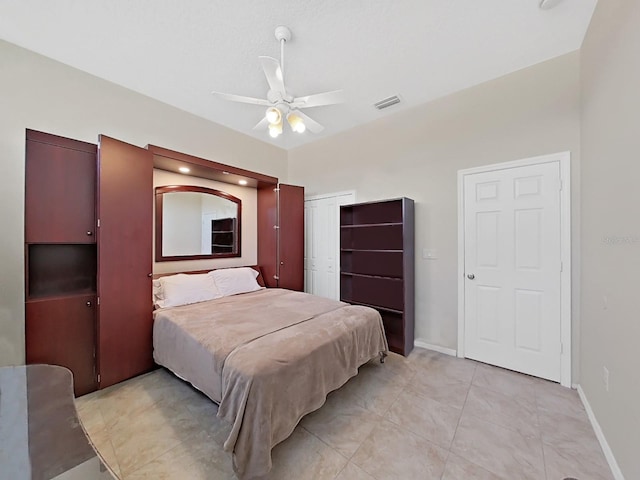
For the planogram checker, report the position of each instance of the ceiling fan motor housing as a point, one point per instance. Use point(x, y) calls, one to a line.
point(283, 33)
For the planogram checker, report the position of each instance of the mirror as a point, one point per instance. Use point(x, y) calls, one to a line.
point(195, 223)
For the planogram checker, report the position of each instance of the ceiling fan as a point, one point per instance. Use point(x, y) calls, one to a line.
point(281, 105)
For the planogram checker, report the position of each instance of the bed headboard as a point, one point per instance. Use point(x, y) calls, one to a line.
point(257, 268)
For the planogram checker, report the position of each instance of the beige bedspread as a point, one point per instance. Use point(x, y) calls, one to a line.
point(274, 356)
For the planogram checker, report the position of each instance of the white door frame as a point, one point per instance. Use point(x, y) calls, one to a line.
point(337, 245)
point(564, 161)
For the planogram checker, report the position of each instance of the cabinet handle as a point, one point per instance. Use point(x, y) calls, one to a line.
point(89, 233)
point(88, 304)
point(150, 275)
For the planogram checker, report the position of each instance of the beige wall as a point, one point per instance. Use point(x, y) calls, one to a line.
point(416, 153)
point(39, 93)
point(610, 60)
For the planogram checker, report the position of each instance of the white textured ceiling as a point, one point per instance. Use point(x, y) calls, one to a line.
point(179, 51)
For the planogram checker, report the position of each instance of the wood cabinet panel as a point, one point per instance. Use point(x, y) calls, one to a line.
point(291, 237)
point(60, 198)
point(61, 331)
point(267, 234)
point(125, 205)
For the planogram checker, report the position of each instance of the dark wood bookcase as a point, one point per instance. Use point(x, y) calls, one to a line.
point(377, 264)
point(222, 235)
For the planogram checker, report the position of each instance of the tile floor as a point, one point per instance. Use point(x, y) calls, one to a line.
point(429, 416)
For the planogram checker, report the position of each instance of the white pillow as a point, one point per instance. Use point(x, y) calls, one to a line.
point(184, 289)
point(157, 290)
point(231, 281)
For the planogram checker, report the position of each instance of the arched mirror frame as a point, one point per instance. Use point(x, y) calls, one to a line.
point(159, 193)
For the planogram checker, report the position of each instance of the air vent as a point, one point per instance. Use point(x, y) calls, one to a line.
point(387, 102)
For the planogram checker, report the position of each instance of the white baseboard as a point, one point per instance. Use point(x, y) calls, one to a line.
point(611, 460)
point(436, 348)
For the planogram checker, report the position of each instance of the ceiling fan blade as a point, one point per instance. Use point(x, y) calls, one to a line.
point(262, 124)
point(319, 99)
point(239, 98)
point(309, 122)
point(273, 72)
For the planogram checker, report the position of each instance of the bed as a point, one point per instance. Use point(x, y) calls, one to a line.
point(267, 357)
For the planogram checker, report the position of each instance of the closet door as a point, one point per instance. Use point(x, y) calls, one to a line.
point(125, 207)
point(291, 237)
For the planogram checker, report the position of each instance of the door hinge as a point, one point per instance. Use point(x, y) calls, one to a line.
point(561, 185)
point(561, 267)
point(276, 227)
point(276, 277)
point(561, 347)
point(98, 223)
point(98, 378)
point(98, 300)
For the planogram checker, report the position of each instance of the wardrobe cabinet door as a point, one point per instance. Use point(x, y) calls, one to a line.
point(291, 237)
point(60, 198)
point(61, 332)
point(125, 208)
point(267, 234)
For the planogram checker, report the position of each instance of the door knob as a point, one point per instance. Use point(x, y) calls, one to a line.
point(471, 276)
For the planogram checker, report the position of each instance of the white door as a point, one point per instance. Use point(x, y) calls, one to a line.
point(322, 244)
point(512, 265)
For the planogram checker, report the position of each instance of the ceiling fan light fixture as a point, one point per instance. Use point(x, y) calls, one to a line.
point(296, 123)
point(275, 129)
point(279, 103)
point(273, 115)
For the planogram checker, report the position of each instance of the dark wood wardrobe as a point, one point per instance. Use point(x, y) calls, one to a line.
point(88, 258)
point(281, 236)
point(61, 255)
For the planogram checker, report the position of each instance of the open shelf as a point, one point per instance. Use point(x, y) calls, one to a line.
point(369, 225)
point(387, 211)
point(394, 328)
point(381, 263)
point(378, 237)
point(60, 270)
point(377, 307)
point(379, 250)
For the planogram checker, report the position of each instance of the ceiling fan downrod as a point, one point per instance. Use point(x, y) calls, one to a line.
point(283, 35)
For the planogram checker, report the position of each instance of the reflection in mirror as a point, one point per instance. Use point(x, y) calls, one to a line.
point(196, 222)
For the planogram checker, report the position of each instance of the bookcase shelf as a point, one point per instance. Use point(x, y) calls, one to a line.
point(377, 264)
